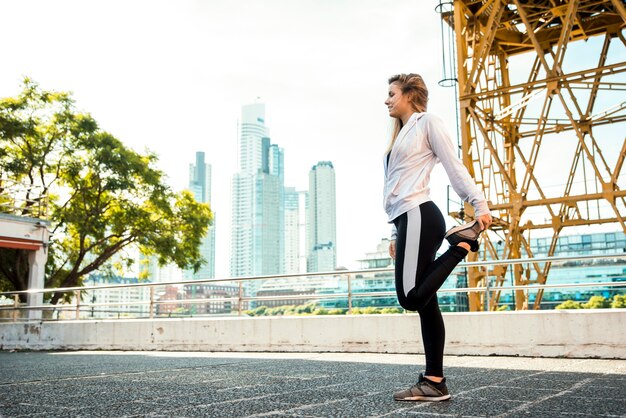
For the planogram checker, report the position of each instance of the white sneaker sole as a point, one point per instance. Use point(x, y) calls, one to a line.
point(425, 398)
point(454, 230)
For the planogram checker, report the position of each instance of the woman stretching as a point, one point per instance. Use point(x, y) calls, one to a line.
point(419, 141)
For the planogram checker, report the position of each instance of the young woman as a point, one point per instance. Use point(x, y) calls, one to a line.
point(419, 141)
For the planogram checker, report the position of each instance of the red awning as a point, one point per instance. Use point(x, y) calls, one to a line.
point(20, 244)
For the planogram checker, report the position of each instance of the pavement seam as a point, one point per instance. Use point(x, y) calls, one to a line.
point(103, 375)
point(289, 411)
point(425, 404)
point(527, 405)
point(255, 398)
point(494, 383)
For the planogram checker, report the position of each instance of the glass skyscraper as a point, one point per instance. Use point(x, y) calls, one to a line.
point(200, 186)
point(321, 220)
point(257, 235)
point(292, 230)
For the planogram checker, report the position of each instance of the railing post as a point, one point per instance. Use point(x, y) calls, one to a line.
point(487, 293)
point(151, 302)
point(349, 294)
point(239, 301)
point(77, 297)
point(16, 306)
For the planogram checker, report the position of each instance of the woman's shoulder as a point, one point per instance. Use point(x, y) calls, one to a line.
point(430, 117)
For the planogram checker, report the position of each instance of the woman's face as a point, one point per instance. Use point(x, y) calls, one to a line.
point(397, 103)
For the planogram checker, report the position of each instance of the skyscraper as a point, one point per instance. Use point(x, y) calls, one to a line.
point(292, 231)
point(200, 186)
point(257, 240)
point(321, 218)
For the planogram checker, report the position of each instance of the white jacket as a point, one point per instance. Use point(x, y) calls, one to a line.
point(420, 144)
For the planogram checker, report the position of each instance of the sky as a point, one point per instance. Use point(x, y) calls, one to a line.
point(171, 77)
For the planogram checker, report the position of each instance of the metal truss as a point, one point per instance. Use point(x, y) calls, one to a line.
point(542, 111)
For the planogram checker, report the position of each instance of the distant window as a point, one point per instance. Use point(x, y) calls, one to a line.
point(586, 241)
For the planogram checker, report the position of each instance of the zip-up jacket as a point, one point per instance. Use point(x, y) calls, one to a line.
point(420, 144)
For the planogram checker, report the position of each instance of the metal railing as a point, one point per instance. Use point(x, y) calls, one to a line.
point(22, 199)
point(241, 300)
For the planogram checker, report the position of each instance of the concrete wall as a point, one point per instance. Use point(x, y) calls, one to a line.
point(575, 333)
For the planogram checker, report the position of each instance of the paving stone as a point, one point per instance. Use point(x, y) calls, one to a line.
point(574, 405)
point(38, 384)
point(513, 394)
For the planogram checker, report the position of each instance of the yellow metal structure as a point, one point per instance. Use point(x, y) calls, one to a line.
point(542, 111)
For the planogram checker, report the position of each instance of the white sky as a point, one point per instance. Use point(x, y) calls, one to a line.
point(171, 77)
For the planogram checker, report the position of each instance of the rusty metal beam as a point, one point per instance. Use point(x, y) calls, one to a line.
point(573, 77)
point(495, 116)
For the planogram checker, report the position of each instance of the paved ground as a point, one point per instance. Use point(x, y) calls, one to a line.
point(117, 384)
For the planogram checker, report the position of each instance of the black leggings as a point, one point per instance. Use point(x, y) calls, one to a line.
point(419, 275)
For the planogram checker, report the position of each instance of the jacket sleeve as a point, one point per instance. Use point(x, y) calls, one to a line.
point(461, 181)
point(394, 232)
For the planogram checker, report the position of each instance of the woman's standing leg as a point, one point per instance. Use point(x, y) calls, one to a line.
point(418, 277)
point(433, 337)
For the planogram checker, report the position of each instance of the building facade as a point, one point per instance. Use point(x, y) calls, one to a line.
point(582, 271)
point(257, 234)
point(321, 224)
point(200, 186)
point(292, 231)
point(126, 301)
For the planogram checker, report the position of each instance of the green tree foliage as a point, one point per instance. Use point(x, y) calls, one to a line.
point(104, 197)
point(619, 301)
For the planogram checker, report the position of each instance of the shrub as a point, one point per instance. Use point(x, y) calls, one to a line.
point(596, 302)
point(304, 309)
point(321, 311)
point(391, 311)
point(619, 301)
point(569, 304)
point(337, 311)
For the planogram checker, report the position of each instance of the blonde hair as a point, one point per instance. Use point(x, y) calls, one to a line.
point(413, 86)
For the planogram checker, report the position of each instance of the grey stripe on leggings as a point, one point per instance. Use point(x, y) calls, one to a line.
point(411, 249)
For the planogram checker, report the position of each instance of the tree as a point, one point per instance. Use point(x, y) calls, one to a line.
point(104, 198)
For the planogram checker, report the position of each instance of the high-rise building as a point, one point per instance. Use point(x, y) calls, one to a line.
point(200, 186)
point(321, 219)
point(257, 236)
point(292, 231)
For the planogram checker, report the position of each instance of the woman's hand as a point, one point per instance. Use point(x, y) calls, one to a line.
point(392, 249)
point(484, 221)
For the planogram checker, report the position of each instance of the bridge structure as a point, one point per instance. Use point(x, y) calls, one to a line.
point(541, 118)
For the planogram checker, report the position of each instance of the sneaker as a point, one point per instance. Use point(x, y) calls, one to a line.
point(468, 233)
point(424, 390)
